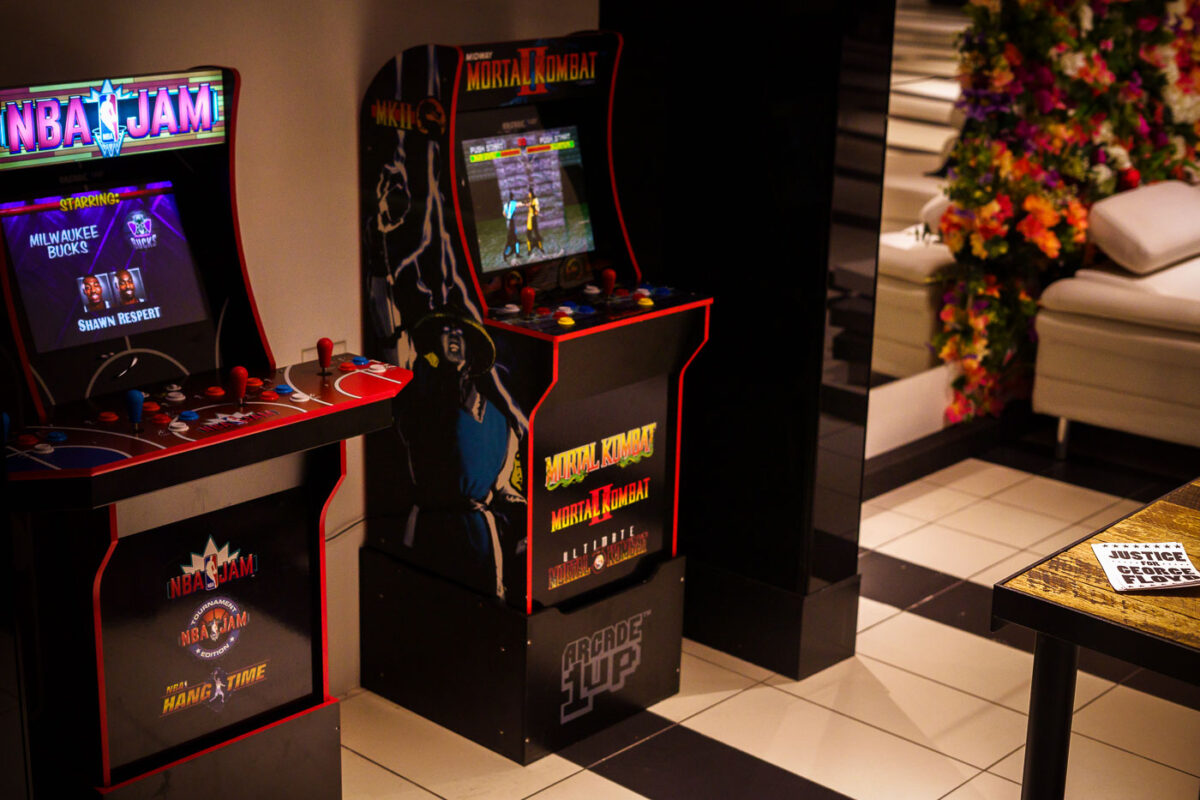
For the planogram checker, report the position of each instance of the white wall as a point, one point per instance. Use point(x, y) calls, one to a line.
point(304, 67)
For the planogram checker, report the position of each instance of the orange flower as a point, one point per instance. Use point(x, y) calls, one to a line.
point(1042, 209)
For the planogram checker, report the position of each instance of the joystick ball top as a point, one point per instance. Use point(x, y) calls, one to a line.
point(324, 352)
point(238, 377)
point(528, 297)
point(134, 400)
point(608, 280)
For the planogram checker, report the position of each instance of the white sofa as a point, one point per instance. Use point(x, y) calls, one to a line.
point(1119, 346)
point(908, 296)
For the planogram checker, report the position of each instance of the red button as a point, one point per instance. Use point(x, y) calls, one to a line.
point(215, 391)
point(347, 366)
point(27, 440)
point(621, 293)
point(149, 407)
point(269, 395)
point(160, 419)
point(254, 383)
point(108, 416)
point(541, 311)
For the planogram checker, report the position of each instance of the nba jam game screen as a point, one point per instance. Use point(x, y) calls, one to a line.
point(99, 265)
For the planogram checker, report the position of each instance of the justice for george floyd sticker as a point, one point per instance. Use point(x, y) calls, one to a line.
point(1142, 565)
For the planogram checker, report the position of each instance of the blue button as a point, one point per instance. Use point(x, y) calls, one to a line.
point(360, 361)
point(189, 416)
point(585, 310)
point(569, 304)
point(283, 388)
point(663, 291)
point(56, 436)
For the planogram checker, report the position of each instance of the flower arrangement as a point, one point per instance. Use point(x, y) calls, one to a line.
point(1067, 102)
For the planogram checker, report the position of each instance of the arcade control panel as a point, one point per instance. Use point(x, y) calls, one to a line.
point(119, 445)
point(589, 307)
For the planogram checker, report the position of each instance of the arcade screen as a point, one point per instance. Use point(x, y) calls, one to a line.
point(102, 264)
point(528, 196)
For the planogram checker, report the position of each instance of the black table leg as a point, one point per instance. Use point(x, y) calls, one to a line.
point(1050, 702)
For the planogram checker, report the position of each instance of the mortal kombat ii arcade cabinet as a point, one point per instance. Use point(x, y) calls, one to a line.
point(520, 583)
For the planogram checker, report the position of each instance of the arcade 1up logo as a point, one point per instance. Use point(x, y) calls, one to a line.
point(602, 662)
point(77, 122)
point(531, 70)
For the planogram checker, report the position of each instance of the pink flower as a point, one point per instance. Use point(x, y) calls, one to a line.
point(1147, 24)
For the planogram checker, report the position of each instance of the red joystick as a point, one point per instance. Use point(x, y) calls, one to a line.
point(238, 377)
point(528, 297)
point(325, 354)
point(608, 280)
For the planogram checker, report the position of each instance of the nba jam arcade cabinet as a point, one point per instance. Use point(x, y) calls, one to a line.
point(163, 588)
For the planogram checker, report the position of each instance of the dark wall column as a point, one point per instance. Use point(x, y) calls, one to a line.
point(748, 149)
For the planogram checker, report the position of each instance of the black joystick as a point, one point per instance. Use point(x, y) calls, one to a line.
point(325, 354)
point(237, 378)
point(134, 400)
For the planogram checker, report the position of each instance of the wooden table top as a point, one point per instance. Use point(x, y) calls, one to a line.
point(1073, 581)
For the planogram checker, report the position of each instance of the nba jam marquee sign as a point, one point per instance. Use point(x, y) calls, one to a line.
point(105, 119)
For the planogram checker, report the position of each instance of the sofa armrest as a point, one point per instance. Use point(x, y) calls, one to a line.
point(1121, 304)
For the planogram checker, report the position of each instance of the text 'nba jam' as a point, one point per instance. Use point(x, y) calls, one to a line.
point(533, 68)
point(106, 117)
point(600, 663)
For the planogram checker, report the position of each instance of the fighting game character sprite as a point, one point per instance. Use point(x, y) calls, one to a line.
point(126, 288)
point(512, 246)
point(462, 449)
point(93, 294)
point(532, 234)
point(460, 429)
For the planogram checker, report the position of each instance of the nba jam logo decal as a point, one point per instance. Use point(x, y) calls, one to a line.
point(141, 230)
point(210, 569)
point(600, 663)
point(107, 117)
point(213, 692)
point(214, 628)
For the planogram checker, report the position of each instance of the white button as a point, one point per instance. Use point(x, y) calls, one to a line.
point(172, 387)
point(43, 448)
point(299, 397)
point(177, 426)
point(175, 397)
point(378, 368)
point(591, 288)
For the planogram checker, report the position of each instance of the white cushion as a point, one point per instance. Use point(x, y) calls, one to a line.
point(1147, 228)
point(931, 212)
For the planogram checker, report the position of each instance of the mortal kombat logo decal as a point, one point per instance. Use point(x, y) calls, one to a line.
point(214, 628)
point(600, 663)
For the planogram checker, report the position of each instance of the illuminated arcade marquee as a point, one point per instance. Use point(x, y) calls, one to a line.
point(123, 116)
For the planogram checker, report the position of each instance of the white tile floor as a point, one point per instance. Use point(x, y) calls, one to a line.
point(923, 711)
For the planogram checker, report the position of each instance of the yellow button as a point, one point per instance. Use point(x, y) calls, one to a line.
point(645, 302)
point(566, 322)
